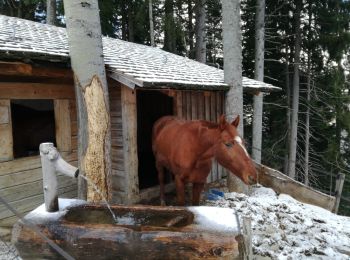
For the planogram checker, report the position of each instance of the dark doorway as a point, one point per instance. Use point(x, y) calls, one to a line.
point(151, 105)
point(33, 123)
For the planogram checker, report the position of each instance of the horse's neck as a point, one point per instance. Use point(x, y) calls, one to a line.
point(208, 138)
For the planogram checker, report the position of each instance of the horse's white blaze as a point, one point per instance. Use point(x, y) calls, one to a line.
point(240, 142)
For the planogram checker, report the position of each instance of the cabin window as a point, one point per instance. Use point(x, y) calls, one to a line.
point(151, 105)
point(33, 122)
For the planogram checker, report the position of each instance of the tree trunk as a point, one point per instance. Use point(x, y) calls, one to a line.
point(51, 12)
point(295, 104)
point(232, 43)
point(151, 26)
point(307, 120)
point(286, 156)
point(307, 124)
point(124, 20)
point(131, 21)
point(86, 51)
point(200, 31)
point(190, 27)
point(169, 27)
point(258, 75)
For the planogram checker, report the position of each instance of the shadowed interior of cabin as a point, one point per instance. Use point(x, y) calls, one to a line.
point(33, 122)
point(151, 105)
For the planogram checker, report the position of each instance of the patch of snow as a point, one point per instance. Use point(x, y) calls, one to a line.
point(40, 214)
point(284, 228)
point(215, 219)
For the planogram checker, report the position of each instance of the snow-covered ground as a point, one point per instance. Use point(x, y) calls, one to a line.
point(284, 228)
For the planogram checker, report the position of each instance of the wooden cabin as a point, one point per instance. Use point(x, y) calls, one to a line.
point(37, 104)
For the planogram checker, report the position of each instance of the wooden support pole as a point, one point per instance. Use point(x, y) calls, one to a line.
point(52, 163)
point(338, 191)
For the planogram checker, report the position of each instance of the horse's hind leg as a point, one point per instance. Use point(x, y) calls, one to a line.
point(160, 170)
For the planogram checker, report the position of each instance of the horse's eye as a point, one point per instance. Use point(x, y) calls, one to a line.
point(229, 145)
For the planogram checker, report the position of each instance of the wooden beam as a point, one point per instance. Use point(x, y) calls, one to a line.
point(23, 69)
point(6, 139)
point(16, 90)
point(15, 68)
point(281, 183)
point(63, 125)
point(129, 119)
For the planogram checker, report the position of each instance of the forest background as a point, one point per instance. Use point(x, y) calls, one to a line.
point(193, 28)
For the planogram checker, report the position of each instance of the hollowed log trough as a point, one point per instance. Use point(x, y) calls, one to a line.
point(88, 231)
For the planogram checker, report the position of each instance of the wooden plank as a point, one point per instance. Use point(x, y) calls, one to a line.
point(18, 192)
point(23, 69)
point(213, 107)
point(129, 118)
point(24, 90)
point(63, 125)
point(30, 203)
point(201, 107)
point(283, 184)
point(207, 106)
point(184, 105)
point(188, 105)
point(6, 139)
point(20, 178)
point(179, 104)
point(15, 68)
point(194, 106)
point(29, 163)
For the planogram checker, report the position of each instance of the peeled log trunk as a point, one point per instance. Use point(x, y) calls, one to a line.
point(85, 45)
point(295, 103)
point(259, 75)
point(233, 73)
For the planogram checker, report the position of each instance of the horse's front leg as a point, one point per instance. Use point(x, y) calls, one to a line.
point(196, 193)
point(180, 191)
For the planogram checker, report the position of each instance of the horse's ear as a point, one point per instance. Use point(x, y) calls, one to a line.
point(222, 122)
point(235, 122)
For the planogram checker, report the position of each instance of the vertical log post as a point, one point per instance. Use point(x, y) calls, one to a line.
point(52, 162)
point(338, 191)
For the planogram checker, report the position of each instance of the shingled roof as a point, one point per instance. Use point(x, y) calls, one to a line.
point(130, 63)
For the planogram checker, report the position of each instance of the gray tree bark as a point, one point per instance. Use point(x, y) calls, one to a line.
point(51, 12)
point(308, 98)
point(232, 41)
point(151, 26)
point(295, 102)
point(86, 51)
point(200, 31)
point(286, 156)
point(169, 27)
point(307, 126)
point(190, 27)
point(258, 75)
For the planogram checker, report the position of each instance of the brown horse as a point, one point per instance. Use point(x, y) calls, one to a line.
point(187, 148)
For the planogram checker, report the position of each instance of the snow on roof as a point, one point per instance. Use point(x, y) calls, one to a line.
point(142, 65)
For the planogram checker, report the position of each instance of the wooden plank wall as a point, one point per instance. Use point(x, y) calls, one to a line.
point(118, 166)
point(207, 105)
point(21, 179)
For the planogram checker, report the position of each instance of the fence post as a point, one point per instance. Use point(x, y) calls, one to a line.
point(247, 238)
point(338, 191)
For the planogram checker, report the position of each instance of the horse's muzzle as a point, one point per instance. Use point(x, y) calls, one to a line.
point(251, 180)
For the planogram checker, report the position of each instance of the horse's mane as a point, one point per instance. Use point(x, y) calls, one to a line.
point(209, 124)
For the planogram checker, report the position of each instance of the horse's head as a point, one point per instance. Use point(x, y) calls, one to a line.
point(231, 153)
